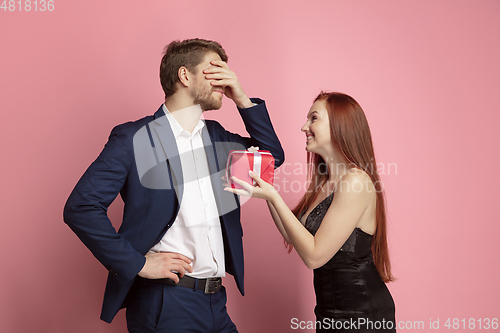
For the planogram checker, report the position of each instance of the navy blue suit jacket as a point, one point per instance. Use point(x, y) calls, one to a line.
point(149, 212)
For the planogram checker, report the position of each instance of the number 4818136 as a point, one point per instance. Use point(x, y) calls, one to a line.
point(27, 5)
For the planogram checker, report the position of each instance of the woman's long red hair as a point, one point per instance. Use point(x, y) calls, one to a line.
point(351, 137)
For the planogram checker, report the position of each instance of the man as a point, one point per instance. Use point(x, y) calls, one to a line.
point(180, 232)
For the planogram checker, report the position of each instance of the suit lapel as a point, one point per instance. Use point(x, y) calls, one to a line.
point(169, 148)
point(226, 201)
point(212, 164)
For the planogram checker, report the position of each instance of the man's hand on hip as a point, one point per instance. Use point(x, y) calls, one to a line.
point(163, 265)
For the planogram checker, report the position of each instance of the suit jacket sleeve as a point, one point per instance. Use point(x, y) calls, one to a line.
point(86, 209)
point(262, 134)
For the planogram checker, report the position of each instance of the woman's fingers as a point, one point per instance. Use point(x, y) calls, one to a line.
point(247, 188)
point(256, 177)
point(238, 191)
point(243, 183)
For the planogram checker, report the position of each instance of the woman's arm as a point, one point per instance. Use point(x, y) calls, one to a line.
point(278, 223)
point(352, 198)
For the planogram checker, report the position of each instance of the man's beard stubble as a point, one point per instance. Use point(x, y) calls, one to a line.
point(203, 97)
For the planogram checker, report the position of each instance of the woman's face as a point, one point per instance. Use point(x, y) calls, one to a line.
point(317, 130)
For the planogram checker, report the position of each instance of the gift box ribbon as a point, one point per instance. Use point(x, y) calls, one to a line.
point(255, 165)
point(257, 162)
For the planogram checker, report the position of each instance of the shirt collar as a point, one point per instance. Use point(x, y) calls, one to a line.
point(177, 128)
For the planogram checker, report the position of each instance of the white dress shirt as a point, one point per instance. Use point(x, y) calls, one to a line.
point(196, 231)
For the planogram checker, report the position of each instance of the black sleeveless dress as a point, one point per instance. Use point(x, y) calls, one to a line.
point(350, 294)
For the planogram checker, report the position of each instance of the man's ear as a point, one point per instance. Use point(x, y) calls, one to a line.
point(184, 76)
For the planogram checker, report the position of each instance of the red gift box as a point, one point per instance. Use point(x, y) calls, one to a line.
point(240, 162)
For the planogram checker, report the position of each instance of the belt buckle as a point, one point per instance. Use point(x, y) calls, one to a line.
point(212, 285)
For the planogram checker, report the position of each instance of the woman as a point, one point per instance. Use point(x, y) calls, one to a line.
point(339, 226)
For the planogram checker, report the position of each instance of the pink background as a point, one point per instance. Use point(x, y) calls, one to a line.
point(425, 72)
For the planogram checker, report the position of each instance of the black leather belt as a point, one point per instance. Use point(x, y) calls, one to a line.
point(208, 285)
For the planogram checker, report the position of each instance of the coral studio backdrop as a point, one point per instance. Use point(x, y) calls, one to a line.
point(426, 73)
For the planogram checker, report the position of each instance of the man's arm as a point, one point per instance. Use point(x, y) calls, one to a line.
point(253, 112)
point(85, 213)
point(262, 134)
